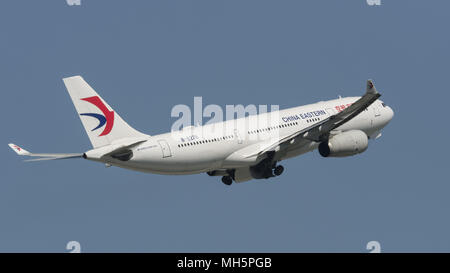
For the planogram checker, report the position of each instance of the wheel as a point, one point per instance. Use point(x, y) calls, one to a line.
point(227, 180)
point(278, 170)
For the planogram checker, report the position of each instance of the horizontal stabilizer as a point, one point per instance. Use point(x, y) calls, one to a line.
point(20, 151)
point(55, 158)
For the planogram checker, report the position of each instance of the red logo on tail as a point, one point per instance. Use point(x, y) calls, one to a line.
point(108, 117)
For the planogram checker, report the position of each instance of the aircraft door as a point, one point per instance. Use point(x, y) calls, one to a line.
point(165, 148)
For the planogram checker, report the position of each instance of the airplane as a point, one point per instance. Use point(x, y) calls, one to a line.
point(248, 148)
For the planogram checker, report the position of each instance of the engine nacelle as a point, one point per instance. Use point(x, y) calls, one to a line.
point(344, 144)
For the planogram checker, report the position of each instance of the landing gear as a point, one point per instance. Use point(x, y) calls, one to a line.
point(227, 180)
point(278, 170)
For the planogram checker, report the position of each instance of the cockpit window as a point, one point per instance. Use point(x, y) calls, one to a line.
point(384, 105)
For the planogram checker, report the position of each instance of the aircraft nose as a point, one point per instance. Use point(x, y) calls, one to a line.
point(389, 113)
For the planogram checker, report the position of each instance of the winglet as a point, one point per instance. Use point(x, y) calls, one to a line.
point(18, 150)
point(370, 88)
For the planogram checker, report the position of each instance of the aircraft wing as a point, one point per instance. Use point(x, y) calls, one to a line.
point(321, 131)
point(23, 152)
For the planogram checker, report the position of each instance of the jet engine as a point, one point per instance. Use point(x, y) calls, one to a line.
point(344, 144)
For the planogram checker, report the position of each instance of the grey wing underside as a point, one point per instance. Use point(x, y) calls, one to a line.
point(321, 130)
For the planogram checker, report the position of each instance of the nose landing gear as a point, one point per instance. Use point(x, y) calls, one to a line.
point(278, 170)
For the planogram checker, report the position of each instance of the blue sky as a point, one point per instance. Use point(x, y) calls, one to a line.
point(144, 57)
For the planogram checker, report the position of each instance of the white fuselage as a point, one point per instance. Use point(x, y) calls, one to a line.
point(225, 145)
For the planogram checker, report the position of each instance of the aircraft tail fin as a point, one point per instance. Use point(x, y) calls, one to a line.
point(102, 124)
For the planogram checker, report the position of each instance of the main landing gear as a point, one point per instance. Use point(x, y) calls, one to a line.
point(227, 180)
point(275, 171)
